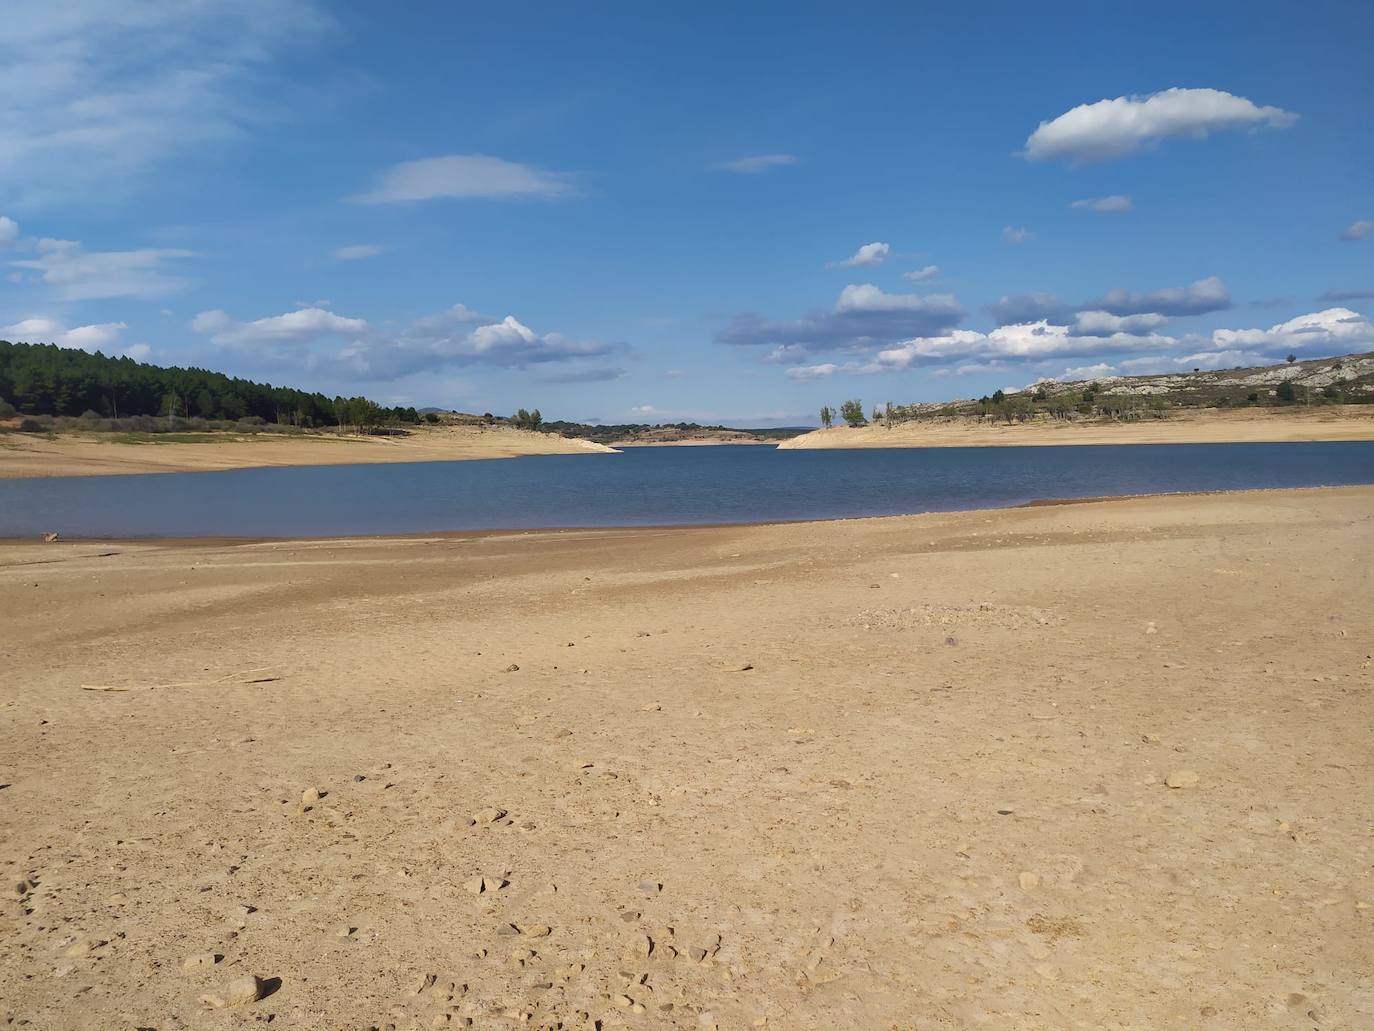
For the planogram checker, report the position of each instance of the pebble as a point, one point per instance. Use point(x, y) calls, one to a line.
point(1182, 779)
point(423, 983)
point(512, 668)
point(489, 815)
point(238, 992)
point(199, 961)
point(1028, 880)
point(650, 887)
point(624, 1001)
point(310, 796)
point(537, 931)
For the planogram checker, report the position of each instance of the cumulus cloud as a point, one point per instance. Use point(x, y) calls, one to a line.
point(355, 252)
point(304, 324)
point(94, 93)
point(45, 330)
point(1197, 298)
point(80, 275)
point(864, 317)
point(1016, 343)
point(757, 164)
point(9, 231)
point(1081, 372)
point(465, 176)
point(1115, 128)
point(869, 254)
point(1111, 205)
point(1358, 230)
point(1330, 331)
point(1104, 323)
point(1016, 234)
point(922, 275)
point(645, 410)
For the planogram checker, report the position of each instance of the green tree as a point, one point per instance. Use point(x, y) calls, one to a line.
point(853, 412)
point(1285, 393)
point(827, 416)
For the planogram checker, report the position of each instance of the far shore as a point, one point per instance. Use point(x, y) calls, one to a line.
point(1206, 426)
point(24, 455)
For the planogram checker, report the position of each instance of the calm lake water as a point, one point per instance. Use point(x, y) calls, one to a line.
point(647, 486)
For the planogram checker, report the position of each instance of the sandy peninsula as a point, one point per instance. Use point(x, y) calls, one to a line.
point(1207, 426)
point(93, 454)
point(1101, 765)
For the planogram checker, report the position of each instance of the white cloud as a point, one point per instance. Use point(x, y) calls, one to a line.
point(805, 372)
point(138, 352)
point(94, 93)
point(1110, 205)
point(465, 176)
point(1016, 234)
point(304, 324)
point(645, 410)
point(45, 330)
point(869, 254)
point(9, 231)
point(355, 252)
point(1103, 323)
point(1098, 371)
point(1331, 331)
point(757, 164)
point(863, 318)
point(1116, 128)
point(80, 275)
point(1359, 229)
point(922, 275)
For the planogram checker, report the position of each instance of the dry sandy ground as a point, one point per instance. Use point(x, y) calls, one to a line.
point(893, 773)
point(1345, 422)
point(90, 455)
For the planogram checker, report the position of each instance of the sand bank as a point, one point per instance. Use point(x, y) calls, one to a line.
point(23, 454)
point(1215, 426)
point(879, 773)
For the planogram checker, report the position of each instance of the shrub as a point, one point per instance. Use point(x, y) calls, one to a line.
point(31, 426)
point(6, 409)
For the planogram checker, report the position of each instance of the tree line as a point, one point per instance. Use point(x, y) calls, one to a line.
point(43, 379)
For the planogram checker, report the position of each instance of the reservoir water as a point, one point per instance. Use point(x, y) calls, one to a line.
point(648, 486)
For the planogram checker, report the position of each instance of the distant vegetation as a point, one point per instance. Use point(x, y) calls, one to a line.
point(41, 380)
point(606, 434)
point(1325, 381)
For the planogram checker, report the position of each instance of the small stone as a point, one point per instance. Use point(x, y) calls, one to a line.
point(698, 954)
point(624, 1001)
point(629, 916)
point(199, 961)
point(651, 707)
point(1028, 880)
point(78, 948)
point(512, 668)
point(508, 929)
point(475, 885)
point(1150, 628)
point(1182, 779)
point(238, 992)
point(637, 1008)
point(489, 815)
point(650, 887)
point(537, 931)
point(310, 796)
point(493, 883)
point(422, 984)
point(344, 931)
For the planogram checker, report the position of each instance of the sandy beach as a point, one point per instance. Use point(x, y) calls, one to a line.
point(1100, 765)
point(1208, 426)
point(24, 454)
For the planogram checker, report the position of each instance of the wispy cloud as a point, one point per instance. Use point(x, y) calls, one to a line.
point(356, 252)
point(92, 94)
point(922, 275)
point(757, 164)
point(1114, 204)
point(1348, 295)
point(1198, 298)
point(465, 176)
point(869, 254)
point(1358, 230)
point(76, 274)
point(45, 330)
point(1115, 128)
point(1016, 234)
point(864, 317)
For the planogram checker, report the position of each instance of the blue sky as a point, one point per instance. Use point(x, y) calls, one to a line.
point(629, 212)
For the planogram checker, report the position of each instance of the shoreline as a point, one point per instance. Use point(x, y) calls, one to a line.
point(37, 456)
point(421, 536)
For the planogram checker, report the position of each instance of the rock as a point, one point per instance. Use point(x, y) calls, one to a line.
point(651, 707)
point(344, 931)
point(537, 931)
point(474, 885)
point(51, 537)
point(200, 961)
point(1029, 881)
point(637, 1008)
point(512, 668)
point(310, 796)
point(1182, 779)
point(624, 1001)
point(422, 984)
point(489, 815)
point(493, 883)
point(697, 954)
point(629, 916)
point(650, 887)
point(1150, 628)
point(238, 992)
point(508, 929)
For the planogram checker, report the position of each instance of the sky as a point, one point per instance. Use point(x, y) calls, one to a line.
point(707, 212)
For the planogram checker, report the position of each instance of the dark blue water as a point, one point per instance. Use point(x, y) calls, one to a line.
point(646, 486)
